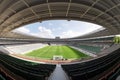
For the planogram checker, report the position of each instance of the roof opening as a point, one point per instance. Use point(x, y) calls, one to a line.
point(58, 28)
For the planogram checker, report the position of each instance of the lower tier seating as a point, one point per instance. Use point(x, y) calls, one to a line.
point(25, 69)
point(4, 76)
point(114, 75)
point(1, 77)
point(88, 70)
point(94, 49)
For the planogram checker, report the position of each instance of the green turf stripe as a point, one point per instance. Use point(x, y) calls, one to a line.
point(49, 51)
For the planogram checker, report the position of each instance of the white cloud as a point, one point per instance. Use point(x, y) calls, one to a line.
point(64, 29)
point(69, 34)
point(50, 24)
point(66, 24)
point(59, 28)
point(44, 32)
point(22, 30)
point(53, 29)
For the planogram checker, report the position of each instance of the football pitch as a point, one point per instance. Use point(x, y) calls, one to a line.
point(49, 51)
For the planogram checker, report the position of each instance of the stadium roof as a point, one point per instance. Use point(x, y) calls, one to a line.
point(16, 13)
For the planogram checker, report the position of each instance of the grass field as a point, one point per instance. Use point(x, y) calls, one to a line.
point(49, 51)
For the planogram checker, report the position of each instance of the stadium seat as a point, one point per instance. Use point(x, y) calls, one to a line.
point(27, 70)
point(1, 77)
point(90, 69)
point(93, 49)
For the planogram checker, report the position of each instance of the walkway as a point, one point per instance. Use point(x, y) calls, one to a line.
point(118, 78)
point(58, 74)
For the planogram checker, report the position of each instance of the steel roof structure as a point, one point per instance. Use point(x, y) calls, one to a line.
point(16, 13)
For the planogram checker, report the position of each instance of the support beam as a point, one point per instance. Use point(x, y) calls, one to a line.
point(30, 8)
point(69, 4)
point(50, 12)
point(106, 11)
point(12, 10)
point(89, 9)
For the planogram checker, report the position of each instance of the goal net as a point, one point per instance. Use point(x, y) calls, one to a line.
point(57, 57)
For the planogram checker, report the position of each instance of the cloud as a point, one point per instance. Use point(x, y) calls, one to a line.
point(64, 29)
point(69, 34)
point(65, 24)
point(50, 24)
point(59, 28)
point(22, 30)
point(44, 32)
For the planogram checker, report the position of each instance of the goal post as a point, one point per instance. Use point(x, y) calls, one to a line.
point(57, 57)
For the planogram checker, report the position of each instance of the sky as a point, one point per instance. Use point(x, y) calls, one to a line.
point(58, 28)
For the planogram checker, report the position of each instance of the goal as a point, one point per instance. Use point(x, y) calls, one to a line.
point(57, 57)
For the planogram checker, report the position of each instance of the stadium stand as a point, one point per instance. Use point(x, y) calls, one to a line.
point(1, 77)
point(84, 51)
point(17, 13)
point(4, 74)
point(23, 48)
point(28, 70)
point(94, 45)
point(114, 74)
point(90, 69)
point(118, 78)
point(93, 49)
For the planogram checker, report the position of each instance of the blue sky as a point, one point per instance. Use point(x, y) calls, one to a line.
point(61, 28)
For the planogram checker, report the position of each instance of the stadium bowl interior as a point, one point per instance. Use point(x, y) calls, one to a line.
point(103, 46)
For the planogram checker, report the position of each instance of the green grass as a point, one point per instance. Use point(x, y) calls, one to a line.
point(49, 51)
